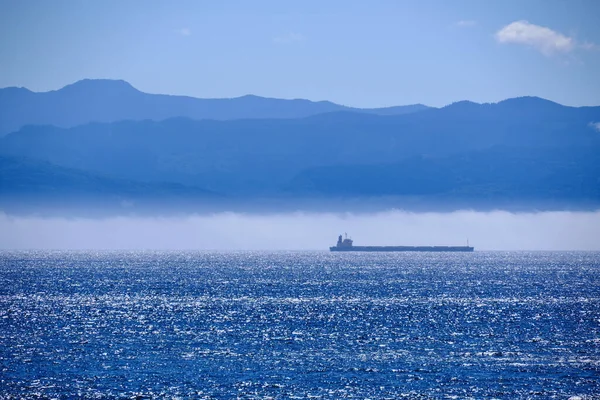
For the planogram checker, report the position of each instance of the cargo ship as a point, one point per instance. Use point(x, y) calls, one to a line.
point(347, 245)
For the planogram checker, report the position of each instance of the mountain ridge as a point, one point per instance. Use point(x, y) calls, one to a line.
point(22, 175)
point(105, 100)
point(523, 149)
point(261, 157)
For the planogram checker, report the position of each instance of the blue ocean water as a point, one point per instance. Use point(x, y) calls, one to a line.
point(477, 325)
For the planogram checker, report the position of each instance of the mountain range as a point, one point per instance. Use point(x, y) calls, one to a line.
point(103, 100)
point(98, 144)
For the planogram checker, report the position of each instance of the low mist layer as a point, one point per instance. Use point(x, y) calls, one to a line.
point(497, 230)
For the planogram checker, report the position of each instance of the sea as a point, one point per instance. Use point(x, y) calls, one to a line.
point(299, 325)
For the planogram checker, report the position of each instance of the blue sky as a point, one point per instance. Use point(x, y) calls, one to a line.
point(363, 54)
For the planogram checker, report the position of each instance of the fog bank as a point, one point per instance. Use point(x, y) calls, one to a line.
point(497, 230)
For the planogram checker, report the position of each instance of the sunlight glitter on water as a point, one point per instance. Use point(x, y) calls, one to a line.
point(502, 325)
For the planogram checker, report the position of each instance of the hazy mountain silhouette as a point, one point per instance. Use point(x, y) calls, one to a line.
point(524, 148)
point(502, 173)
point(102, 100)
point(22, 176)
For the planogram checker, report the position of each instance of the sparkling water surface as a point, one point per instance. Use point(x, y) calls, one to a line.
point(476, 325)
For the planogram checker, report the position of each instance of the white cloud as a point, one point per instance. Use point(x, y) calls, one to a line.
point(466, 23)
point(589, 46)
point(290, 37)
point(184, 31)
point(595, 125)
point(544, 39)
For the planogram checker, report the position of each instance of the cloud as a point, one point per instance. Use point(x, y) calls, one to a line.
point(288, 38)
point(497, 230)
point(184, 31)
point(589, 46)
point(466, 23)
point(595, 125)
point(544, 39)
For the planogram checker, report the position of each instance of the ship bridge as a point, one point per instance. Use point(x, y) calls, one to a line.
point(345, 243)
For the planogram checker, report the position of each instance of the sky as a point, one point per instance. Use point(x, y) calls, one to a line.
point(356, 53)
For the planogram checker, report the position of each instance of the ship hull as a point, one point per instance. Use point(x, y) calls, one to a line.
point(404, 248)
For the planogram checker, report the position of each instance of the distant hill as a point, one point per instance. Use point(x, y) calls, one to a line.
point(524, 148)
point(101, 100)
point(22, 177)
point(502, 173)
